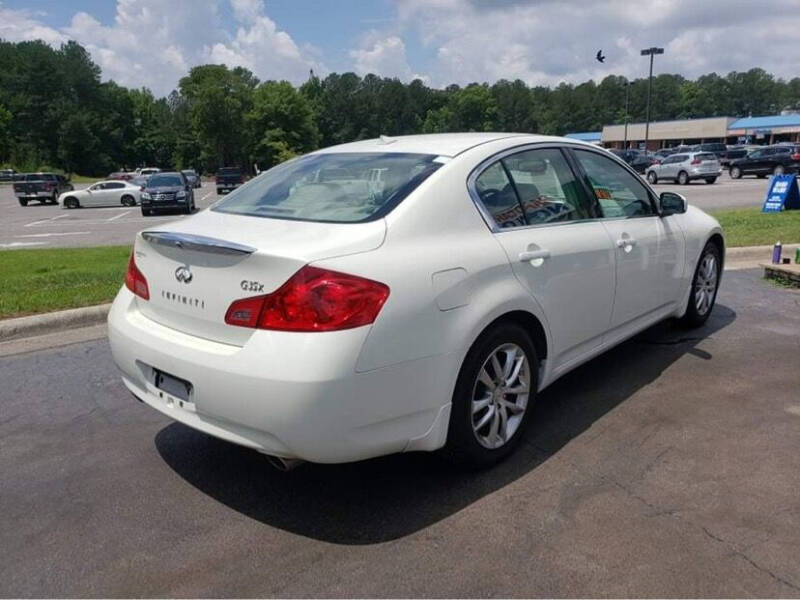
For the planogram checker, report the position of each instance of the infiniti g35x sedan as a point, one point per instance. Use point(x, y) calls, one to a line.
point(334, 319)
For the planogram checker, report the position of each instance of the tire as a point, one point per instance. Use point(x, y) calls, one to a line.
point(71, 202)
point(23, 202)
point(710, 180)
point(219, 192)
point(128, 200)
point(778, 170)
point(762, 175)
point(700, 306)
point(146, 212)
point(652, 177)
point(683, 178)
point(54, 199)
point(187, 210)
point(735, 173)
point(474, 437)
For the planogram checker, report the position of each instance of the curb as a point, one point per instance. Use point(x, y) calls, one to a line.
point(23, 327)
point(747, 254)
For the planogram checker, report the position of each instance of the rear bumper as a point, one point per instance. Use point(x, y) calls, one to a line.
point(33, 195)
point(285, 394)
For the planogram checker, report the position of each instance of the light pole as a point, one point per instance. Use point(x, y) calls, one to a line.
point(649, 52)
point(627, 100)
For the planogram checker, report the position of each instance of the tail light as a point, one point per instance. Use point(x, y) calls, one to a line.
point(656, 162)
point(312, 299)
point(796, 156)
point(135, 281)
point(696, 161)
point(47, 187)
point(241, 178)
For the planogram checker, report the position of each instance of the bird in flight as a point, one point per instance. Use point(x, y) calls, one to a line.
point(600, 57)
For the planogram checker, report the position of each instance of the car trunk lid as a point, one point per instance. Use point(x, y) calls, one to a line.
point(197, 267)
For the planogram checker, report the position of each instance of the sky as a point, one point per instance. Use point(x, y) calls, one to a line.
point(153, 43)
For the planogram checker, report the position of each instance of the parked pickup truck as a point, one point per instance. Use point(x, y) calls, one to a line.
point(44, 187)
point(229, 178)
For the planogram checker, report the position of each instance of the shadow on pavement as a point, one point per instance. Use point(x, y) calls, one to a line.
point(388, 498)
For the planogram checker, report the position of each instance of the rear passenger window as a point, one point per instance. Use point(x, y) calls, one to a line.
point(546, 186)
point(619, 193)
point(498, 198)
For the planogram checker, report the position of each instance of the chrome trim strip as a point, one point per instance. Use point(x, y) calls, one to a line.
point(200, 243)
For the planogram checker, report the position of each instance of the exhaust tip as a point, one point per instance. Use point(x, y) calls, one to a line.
point(284, 464)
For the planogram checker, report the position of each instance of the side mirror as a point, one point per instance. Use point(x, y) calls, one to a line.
point(671, 204)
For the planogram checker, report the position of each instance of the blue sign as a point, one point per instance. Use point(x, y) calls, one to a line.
point(783, 194)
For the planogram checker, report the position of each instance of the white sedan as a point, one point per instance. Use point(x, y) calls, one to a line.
point(102, 193)
point(336, 320)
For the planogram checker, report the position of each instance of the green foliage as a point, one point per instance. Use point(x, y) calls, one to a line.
point(54, 110)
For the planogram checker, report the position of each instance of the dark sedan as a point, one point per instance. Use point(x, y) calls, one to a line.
point(167, 191)
point(770, 160)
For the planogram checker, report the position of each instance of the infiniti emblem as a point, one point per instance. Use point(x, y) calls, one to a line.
point(183, 274)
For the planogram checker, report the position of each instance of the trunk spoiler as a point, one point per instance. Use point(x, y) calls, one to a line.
point(200, 243)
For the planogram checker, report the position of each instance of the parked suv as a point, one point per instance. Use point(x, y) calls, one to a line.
point(638, 159)
point(8, 175)
point(228, 179)
point(719, 149)
point(167, 191)
point(770, 160)
point(684, 167)
point(44, 187)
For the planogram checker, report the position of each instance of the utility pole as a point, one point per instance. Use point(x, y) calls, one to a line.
point(627, 113)
point(649, 52)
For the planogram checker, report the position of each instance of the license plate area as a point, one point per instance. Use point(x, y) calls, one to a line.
point(172, 386)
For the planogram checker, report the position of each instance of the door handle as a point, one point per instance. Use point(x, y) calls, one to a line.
point(530, 255)
point(622, 243)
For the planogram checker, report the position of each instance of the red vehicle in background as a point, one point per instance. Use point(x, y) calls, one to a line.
point(121, 176)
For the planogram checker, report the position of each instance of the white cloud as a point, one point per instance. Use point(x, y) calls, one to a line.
point(549, 41)
point(22, 26)
point(261, 47)
point(383, 55)
point(153, 43)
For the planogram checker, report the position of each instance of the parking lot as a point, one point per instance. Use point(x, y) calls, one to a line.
point(48, 226)
point(667, 467)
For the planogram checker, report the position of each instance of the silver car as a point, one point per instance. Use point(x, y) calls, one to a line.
point(683, 167)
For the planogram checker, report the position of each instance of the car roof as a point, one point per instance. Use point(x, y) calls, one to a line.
point(439, 144)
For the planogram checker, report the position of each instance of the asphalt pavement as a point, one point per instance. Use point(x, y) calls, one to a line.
point(666, 467)
point(48, 226)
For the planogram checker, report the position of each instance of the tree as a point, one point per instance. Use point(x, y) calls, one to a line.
point(218, 99)
point(281, 122)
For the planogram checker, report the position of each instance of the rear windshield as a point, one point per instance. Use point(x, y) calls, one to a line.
point(40, 177)
point(229, 171)
point(706, 156)
point(164, 180)
point(333, 188)
point(713, 147)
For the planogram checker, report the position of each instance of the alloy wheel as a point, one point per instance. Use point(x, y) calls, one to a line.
point(705, 284)
point(500, 395)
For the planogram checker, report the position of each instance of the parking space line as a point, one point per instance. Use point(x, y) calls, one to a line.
point(118, 216)
point(43, 235)
point(21, 244)
point(46, 220)
point(206, 196)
